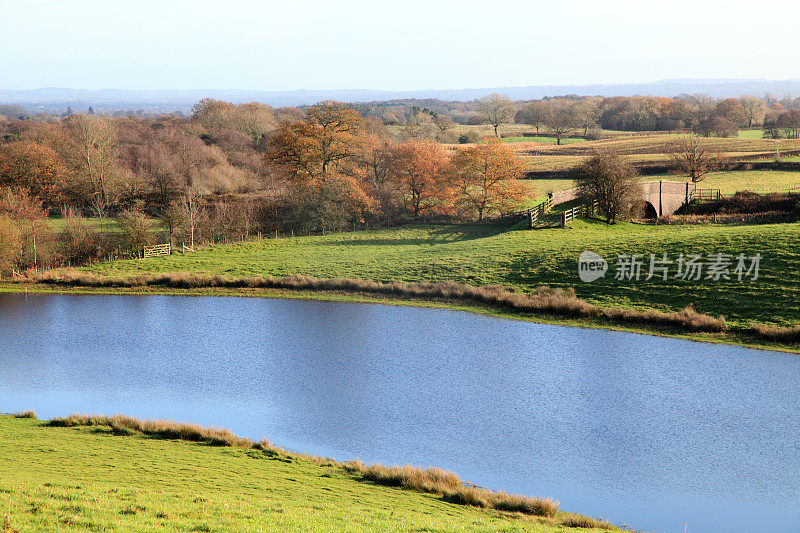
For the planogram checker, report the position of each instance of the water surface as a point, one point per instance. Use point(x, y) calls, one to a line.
point(661, 434)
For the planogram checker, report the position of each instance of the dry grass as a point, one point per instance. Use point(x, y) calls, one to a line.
point(687, 318)
point(30, 413)
point(430, 480)
point(585, 522)
point(166, 429)
point(543, 300)
point(787, 335)
point(451, 488)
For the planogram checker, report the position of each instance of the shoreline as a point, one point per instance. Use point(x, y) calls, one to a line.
point(731, 337)
point(131, 442)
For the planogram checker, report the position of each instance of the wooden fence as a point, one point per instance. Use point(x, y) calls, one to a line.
point(705, 194)
point(536, 214)
point(158, 249)
point(579, 211)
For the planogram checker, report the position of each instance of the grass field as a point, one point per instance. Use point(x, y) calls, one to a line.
point(740, 180)
point(644, 150)
point(751, 134)
point(88, 479)
point(525, 259)
point(541, 139)
point(728, 182)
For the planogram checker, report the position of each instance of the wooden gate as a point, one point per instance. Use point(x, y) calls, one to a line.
point(158, 249)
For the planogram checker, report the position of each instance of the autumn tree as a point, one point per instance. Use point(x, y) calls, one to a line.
point(608, 179)
point(375, 161)
point(33, 167)
point(695, 159)
point(497, 109)
point(488, 178)
point(309, 149)
point(421, 170)
point(732, 109)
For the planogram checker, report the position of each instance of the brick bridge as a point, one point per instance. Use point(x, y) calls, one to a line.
point(661, 198)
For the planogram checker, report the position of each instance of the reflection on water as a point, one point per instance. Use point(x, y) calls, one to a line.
point(661, 434)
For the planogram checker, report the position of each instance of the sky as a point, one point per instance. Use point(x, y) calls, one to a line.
point(398, 45)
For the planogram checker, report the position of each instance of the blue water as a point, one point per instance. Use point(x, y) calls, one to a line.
point(660, 434)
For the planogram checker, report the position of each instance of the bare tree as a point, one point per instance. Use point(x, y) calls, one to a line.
point(534, 113)
point(192, 196)
point(94, 156)
point(561, 119)
point(612, 182)
point(587, 113)
point(497, 109)
point(694, 159)
point(754, 109)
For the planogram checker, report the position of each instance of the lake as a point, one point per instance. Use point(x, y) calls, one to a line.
point(657, 433)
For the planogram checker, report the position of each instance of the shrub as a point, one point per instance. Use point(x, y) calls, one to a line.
point(79, 242)
point(30, 413)
point(135, 229)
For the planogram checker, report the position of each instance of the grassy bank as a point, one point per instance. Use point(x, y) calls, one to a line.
point(525, 260)
point(114, 476)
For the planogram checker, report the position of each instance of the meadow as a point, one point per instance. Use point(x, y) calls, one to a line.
point(524, 259)
point(96, 478)
point(728, 182)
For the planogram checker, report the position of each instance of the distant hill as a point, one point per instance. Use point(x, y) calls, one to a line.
point(54, 99)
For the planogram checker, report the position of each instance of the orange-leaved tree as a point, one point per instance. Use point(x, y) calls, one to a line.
point(422, 172)
point(308, 150)
point(488, 178)
point(33, 167)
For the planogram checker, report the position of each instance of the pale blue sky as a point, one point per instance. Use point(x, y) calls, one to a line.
point(305, 44)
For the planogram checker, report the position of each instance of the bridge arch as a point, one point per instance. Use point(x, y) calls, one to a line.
point(649, 210)
point(664, 197)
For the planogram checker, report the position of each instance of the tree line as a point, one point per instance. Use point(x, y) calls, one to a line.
point(588, 115)
point(229, 171)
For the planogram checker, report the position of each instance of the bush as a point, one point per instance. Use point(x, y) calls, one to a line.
point(136, 230)
point(467, 137)
point(79, 242)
